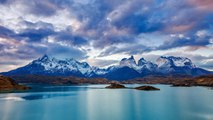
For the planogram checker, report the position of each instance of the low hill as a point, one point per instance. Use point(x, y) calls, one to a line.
point(175, 80)
point(8, 84)
point(59, 80)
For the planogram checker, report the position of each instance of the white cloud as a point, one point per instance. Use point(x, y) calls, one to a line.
point(202, 33)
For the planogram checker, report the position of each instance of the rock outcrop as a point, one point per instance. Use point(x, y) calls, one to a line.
point(147, 88)
point(115, 86)
point(8, 84)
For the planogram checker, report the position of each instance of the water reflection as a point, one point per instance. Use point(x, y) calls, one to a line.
point(35, 96)
point(50, 88)
point(45, 96)
point(83, 103)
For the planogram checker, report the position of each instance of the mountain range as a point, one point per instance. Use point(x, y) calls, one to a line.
point(127, 68)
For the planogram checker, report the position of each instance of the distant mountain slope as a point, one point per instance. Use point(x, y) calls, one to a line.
point(122, 74)
point(51, 66)
point(179, 65)
point(127, 68)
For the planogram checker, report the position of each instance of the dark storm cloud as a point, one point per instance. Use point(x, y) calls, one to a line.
point(29, 34)
point(193, 40)
point(29, 44)
point(24, 52)
point(129, 49)
point(68, 36)
point(41, 8)
point(143, 17)
point(39, 24)
point(5, 32)
point(65, 52)
point(32, 34)
point(149, 17)
point(137, 16)
point(36, 35)
point(3, 1)
point(108, 40)
point(30, 51)
point(46, 29)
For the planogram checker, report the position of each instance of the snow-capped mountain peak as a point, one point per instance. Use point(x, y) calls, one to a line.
point(141, 62)
point(130, 62)
point(169, 61)
point(163, 62)
point(127, 69)
point(99, 71)
point(44, 58)
point(144, 64)
point(51, 64)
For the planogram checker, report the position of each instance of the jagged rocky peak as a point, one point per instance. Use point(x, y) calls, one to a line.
point(162, 61)
point(54, 65)
point(128, 62)
point(174, 61)
point(99, 71)
point(144, 64)
point(46, 65)
point(141, 62)
point(45, 58)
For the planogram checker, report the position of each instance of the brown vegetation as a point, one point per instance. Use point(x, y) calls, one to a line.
point(175, 80)
point(8, 84)
point(59, 80)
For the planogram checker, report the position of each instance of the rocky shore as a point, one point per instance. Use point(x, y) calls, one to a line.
point(8, 84)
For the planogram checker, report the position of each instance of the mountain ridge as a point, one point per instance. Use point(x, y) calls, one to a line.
point(127, 68)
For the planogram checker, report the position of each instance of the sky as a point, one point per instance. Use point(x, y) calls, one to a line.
point(102, 32)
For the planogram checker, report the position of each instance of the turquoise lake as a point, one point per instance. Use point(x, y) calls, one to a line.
point(93, 102)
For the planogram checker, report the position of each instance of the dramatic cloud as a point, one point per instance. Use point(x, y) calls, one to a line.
point(92, 30)
point(102, 63)
point(203, 5)
point(201, 38)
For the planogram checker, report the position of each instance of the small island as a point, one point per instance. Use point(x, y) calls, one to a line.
point(8, 84)
point(119, 86)
point(181, 85)
point(115, 86)
point(146, 88)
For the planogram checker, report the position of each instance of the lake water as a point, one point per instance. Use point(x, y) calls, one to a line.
point(93, 102)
